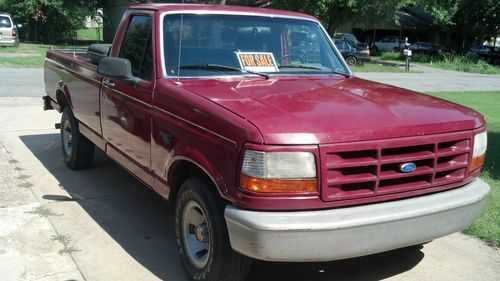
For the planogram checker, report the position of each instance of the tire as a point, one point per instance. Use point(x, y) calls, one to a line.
point(78, 151)
point(204, 248)
point(351, 61)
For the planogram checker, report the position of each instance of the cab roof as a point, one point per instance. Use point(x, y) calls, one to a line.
point(218, 8)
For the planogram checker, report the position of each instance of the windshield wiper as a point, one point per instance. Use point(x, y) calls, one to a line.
point(315, 68)
point(219, 67)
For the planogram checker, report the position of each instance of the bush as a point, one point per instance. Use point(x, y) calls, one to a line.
point(466, 63)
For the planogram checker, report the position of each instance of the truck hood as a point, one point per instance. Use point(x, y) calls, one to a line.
point(318, 110)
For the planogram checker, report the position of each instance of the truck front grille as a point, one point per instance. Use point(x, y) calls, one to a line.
point(372, 168)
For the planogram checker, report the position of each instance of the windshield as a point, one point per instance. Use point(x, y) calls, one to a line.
point(351, 38)
point(245, 43)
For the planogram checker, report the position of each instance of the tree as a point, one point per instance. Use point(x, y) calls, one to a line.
point(334, 12)
point(479, 19)
point(47, 20)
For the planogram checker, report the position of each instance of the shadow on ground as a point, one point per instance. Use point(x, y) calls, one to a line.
point(142, 223)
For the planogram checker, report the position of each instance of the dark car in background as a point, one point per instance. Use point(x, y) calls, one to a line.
point(427, 48)
point(351, 54)
point(351, 39)
point(8, 31)
point(490, 54)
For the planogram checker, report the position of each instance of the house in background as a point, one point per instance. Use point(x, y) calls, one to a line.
point(414, 23)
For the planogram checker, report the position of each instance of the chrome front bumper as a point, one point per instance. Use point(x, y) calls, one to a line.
point(334, 234)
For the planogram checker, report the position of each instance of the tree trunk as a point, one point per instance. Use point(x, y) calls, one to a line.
point(336, 18)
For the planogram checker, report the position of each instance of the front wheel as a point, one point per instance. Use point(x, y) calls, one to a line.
point(78, 151)
point(202, 238)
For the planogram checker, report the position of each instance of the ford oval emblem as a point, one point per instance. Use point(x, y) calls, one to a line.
point(407, 167)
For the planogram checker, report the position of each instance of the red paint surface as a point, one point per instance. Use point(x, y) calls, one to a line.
point(210, 122)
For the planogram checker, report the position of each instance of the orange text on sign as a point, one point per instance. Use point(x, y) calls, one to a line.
point(256, 60)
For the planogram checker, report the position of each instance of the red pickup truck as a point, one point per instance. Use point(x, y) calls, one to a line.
point(252, 123)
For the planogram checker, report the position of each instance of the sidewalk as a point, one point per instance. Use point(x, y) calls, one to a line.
point(30, 246)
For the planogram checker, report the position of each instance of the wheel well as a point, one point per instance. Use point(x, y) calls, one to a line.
point(61, 100)
point(180, 171)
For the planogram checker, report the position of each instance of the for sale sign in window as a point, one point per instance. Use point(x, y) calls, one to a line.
point(257, 61)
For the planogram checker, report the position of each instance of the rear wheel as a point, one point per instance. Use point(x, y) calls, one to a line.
point(78, 151)
point(351, 60)
point(202, 238)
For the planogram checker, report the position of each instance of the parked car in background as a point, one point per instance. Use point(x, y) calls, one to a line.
point(351, 54)
point(490, 54)
point(389, 43)
point(351, 39)
point(427, 48)
point(8, 31)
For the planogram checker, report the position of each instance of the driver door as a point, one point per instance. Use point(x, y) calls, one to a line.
point(126, 107)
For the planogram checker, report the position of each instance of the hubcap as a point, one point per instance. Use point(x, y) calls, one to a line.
point(196, 234)
point(67, 137)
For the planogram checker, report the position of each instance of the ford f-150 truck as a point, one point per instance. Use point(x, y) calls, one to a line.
point(252, 123)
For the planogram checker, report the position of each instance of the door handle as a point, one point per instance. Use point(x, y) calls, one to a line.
point(108, 83)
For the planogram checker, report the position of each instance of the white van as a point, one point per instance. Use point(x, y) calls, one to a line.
point(8, 31)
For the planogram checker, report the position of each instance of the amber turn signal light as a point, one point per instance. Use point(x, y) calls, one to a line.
point(278, 185)
point(477, 162)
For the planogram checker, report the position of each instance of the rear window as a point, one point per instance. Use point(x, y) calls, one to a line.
point(5, 22)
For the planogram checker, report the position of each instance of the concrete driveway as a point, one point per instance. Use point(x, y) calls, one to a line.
point(103, 224)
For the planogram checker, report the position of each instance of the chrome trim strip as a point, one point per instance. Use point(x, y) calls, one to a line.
point(71, 70)
point(128, 96)
point(196, 125)
point(209, 12)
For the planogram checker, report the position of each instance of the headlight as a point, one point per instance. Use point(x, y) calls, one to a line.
point(479, 151)
point(278, 172)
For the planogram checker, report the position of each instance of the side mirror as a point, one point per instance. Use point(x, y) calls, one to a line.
point(19, 25)
point(117, 68)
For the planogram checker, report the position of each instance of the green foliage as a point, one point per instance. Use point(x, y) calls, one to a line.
point(46, 20)
point(333, 12)
point(465, 63)
point(479, 18)
point(391, 56)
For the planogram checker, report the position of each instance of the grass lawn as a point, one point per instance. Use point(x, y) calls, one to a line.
point(90, 34)
point(376, 67)
point(487, 227)
point(458, 64)
point(26, 55)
